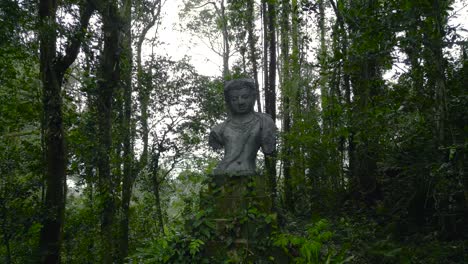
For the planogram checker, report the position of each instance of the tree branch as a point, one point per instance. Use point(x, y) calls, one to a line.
point(73, 47)
point(148, 26)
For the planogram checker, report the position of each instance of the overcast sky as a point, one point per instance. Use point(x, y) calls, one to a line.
point(177, 44)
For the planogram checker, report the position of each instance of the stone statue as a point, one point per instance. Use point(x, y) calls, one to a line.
point(244, 131)
point(236, 186)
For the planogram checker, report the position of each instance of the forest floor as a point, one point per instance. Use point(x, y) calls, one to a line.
point(369, 236)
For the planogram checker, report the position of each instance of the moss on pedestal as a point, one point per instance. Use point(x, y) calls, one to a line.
point(241, 208)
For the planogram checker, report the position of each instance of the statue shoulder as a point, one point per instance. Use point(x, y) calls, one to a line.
point(266, 120)
point(218, 128)
point(268, 133)
point(216, 136)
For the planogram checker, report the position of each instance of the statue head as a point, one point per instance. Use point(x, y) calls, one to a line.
point(240, 95)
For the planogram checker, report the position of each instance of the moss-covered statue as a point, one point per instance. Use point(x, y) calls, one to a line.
point(238, 196)
point(244, 132)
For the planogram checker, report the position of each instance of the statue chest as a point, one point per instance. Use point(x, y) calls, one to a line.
point(243, 139)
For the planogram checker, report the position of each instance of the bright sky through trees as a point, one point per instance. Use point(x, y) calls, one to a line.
point(177, 44)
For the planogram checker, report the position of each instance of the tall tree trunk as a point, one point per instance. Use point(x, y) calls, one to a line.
point(157, 190)
point(322, 60)
point(252, 50)
point(157, 196)
point(296, 95)
point(52, 69)
point(226, 45)
point(270, 92)
point(51, 233)
point(436, 69)
point(265, 24)
point(128, 177)
point(109, 79)
point(295, 60)
point(346, 85)
point(364, 156)
point(365, 79)
point(286, 94)
point(143, 87)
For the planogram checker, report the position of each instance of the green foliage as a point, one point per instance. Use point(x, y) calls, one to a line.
point(370, 240)
point(21, 166)
point(80, 231)
point(171, 249)
point(406, 134)
point(177, 245)
point(314, 247)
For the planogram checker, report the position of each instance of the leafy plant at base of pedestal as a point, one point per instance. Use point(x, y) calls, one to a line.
point(190, 242)
point(179, 246)
point(313, 248)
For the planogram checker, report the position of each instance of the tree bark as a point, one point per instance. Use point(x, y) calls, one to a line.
point(265, 24)
point(270, 92)
point(143, 87)
point(286, 94)
point(253, 55)
point(157, 196)
point(109, 79)
point(128, 177)
point(227, 50)
point(322, 60)
point(51, 233)
point(156, 189)
point(365, 78)
point(52, 69)
point(346, 85)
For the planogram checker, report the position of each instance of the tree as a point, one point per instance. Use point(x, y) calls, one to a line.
point(177, 119)
point(212, 21)
point(109, 78)
point(252, 49)
point(370, 55)
point(53, 68)
point(270, 85)
point(144, 88)
point(286, 95)
point(127, 128)
point(242, 19)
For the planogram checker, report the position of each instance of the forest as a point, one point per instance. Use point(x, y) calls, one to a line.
point(104, 137)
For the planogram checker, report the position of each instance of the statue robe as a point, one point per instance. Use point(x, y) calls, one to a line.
point(241, 143)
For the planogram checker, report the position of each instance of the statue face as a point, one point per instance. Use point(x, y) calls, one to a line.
point(241, 101)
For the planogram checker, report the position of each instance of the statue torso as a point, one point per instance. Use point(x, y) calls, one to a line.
point(241, 143)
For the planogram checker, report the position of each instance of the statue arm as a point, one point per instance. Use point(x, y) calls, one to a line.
point(215, 139)
point(268, 143)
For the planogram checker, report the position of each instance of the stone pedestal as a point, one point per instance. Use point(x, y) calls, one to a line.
point(239, 206)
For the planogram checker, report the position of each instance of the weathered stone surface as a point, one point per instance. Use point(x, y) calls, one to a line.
point(238, 196)
point(240, 206)
point(243, 133)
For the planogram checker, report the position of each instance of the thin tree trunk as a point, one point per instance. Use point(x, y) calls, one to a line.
point(322, 60)
point(144, 88)
point(253, 55)
point(156, 190)
point(157, 196)
point(346, 86)
point(227, 50)
point(286, 94)
point(296, 94)
point(437, 61)
point(270, 92)
point(128, 178)
point(265, 24)
point(109, 78)
point(6, 236)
